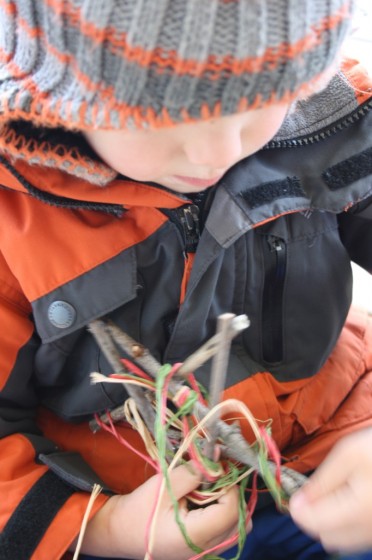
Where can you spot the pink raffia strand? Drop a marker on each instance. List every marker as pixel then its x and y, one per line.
pixel 110 428
pixel 132 368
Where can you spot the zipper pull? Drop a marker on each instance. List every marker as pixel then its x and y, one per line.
pixel 275 243
pixel 189 219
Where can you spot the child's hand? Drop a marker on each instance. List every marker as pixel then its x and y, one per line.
pixel 336 505
pixel 120 527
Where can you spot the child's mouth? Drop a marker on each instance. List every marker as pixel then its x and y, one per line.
pixel 196 182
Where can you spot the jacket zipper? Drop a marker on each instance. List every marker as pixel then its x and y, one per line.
pixel 187 221
pixel 325 132
pixel 275 260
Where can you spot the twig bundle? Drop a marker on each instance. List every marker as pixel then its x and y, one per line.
pixel 177 422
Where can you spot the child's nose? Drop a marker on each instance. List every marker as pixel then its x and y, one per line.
pixel 218 146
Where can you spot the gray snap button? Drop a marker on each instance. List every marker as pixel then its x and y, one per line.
pixel 61 314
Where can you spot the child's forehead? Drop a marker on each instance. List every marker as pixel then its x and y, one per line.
pixel 88 63
pixel 194 126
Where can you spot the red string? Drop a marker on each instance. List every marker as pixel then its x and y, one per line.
pixel 112 430
pixel 193 452
pixel 195 387
pixel 132 368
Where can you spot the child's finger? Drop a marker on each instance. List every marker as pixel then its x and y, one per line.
pixel 330 475
pixel 184 479
pixel 328 513
pixel 222 515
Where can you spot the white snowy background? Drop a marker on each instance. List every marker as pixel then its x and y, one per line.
pixel 359 45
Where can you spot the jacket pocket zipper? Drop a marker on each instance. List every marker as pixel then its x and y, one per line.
pixel 275 259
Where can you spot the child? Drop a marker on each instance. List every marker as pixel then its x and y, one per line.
pixel 162 163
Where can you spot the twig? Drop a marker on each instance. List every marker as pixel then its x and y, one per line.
pixel 135 351
pixel 100 331
pixel 209 349
pixel 236 447
pixel 218 378
pixel 106 332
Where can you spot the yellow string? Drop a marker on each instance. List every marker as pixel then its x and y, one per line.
pixel 95 492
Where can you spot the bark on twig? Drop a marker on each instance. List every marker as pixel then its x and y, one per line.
pixel 101 333
pixel 218 379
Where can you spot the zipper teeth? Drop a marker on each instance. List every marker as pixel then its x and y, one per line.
pixel 325 133
pixel 272 304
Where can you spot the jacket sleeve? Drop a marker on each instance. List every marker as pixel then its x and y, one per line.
pixel 356 233
pixel 40 511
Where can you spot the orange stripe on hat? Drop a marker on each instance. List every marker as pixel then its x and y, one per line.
pixel 8 7
pixel 119 46
pixel 359 79
pixel 166 78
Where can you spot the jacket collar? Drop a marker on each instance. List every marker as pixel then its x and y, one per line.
pixel 348 90
pixel 308 122
pixel 56 187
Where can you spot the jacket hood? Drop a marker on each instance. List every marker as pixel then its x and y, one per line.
pixel 348 90
pixel 59 189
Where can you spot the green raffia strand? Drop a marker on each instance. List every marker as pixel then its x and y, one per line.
pixel 230 477
pixel 211 466
pixel 185 409
pixel 160 439
pixel 203 391
pixel 268 477
pixel 242 515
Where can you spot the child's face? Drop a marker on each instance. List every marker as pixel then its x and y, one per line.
pixel 188 158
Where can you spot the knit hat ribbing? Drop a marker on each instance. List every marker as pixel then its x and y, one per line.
pixel 85 64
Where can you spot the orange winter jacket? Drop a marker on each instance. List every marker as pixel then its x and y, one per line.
pixel 274 239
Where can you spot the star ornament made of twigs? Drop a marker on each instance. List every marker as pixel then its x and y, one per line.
pixel 180 421
pixel 192 427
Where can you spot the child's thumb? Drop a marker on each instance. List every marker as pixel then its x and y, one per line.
pixel 184 479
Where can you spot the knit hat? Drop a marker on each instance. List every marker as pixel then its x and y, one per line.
pixel 84 64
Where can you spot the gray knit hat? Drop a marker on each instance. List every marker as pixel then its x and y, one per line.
pixel 85 64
